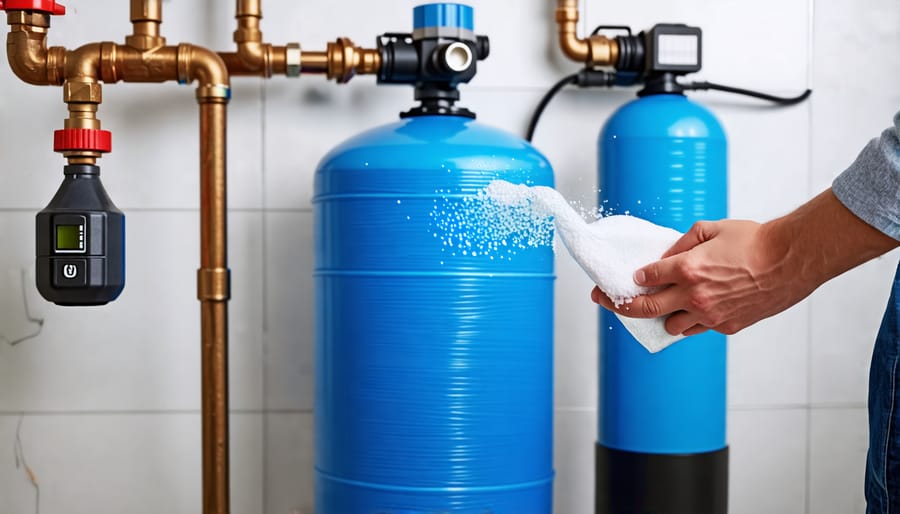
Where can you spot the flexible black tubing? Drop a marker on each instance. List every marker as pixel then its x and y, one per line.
pixel 780 100
pixel 532 125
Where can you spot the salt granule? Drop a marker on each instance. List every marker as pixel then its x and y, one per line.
pixel 609 250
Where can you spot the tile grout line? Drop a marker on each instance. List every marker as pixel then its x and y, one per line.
pixel 186 210
pixel 150 412
pixel 265 302
pixel 147 412
pixel 810 73
pixel 751 408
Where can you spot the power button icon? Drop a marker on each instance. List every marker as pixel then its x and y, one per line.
pixel 69 272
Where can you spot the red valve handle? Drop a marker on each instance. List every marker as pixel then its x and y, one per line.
pixel 92 140
pixel 45 6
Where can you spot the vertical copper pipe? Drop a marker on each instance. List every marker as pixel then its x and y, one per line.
pixel 213 292
pixel 146 17
pixel 248 8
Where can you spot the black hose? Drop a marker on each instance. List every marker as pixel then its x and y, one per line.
pixel 532 125
pixel 780 100
pixel 597 78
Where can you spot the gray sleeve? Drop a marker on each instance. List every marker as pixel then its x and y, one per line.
pixel 870 187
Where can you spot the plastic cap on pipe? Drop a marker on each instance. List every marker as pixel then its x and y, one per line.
pixel 92 140
pixel 456 16
pixel 457 57
pixel 45 6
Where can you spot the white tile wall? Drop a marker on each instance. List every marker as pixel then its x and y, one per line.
pixel 111 394
pixel 768 461
pixel 838 444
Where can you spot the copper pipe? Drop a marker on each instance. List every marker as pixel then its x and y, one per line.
pixel 314 62
pixel 26 49
pixel 341 61
pixel 146 17
pixel 595 50
pixel 213 290
pixel 82 116
pixel 252 56
pixel 144 59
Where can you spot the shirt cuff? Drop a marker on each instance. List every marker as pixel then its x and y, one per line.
pixel 870 187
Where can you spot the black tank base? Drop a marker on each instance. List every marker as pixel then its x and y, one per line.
pixel 651 483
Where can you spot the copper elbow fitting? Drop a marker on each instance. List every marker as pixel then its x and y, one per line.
pixel 593 50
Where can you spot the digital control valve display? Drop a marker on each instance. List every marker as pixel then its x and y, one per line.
pixel 81 242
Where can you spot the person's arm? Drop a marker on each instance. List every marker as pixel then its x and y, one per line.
pixel 727 275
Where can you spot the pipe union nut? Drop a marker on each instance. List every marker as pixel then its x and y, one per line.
pixel 82 92
pixel 293 59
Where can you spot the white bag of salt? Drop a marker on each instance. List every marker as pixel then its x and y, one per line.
pixel 609 250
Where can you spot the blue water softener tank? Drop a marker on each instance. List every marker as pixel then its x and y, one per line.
pixel 433 364
pixel 661 444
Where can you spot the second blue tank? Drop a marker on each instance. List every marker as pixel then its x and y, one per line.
pixel 662 158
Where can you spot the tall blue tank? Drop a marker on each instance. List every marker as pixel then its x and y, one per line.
pixel 433 370
pixel 661 442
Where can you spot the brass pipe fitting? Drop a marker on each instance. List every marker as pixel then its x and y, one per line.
pixel 82 115
pixel 27 52
pixel 253 57
pixel 342 61
pixel 595 50
pixel 146 17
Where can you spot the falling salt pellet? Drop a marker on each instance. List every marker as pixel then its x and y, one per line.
pixel 609 250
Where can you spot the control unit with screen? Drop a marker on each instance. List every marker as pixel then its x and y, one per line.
pixel 81 242
pixel 673 48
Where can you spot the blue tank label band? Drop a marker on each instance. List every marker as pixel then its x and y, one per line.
pixel 440 490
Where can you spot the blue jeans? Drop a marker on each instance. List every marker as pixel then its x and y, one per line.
pixel 883 462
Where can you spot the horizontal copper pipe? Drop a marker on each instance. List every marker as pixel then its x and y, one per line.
pixel 314 62
pixel 341 61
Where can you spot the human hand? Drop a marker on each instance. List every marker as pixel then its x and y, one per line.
pixel 727 275
pixel 723 275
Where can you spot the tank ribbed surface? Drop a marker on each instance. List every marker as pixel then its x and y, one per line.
pixel 433 368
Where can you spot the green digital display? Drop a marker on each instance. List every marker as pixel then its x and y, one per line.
pixel 69 237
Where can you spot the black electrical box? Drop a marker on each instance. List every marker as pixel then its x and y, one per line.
pixel 80 242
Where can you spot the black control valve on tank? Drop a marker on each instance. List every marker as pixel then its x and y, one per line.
pixel 656 59
pixel 440 54
pixel 656 56
pixel 80 236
